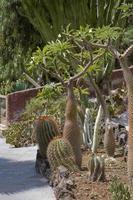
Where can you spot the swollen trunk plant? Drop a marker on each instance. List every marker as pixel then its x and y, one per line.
pixel 71 130
pixel 128 76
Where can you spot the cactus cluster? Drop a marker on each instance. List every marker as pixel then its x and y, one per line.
pixel 60 152
pixel 96 168
pixel 45 130
pixel 118 190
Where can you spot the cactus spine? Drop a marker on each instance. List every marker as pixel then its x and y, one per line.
pixel 60 152
pixel 45 130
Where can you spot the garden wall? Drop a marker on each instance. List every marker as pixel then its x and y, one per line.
pixel 17 101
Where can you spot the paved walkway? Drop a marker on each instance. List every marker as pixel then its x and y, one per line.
pixel 18 180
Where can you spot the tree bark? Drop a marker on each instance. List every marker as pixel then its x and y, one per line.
pixel 128 76
pixel 71 130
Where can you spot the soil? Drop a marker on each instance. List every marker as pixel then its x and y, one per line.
pixel 100 190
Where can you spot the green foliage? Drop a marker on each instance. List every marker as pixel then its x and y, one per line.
pixel 70 53
pixel 128 36
pixel 17 39
pixel 52 57
pixel 53 100
pixel 18 134
pixel 34 108
pixel 107 33
pixel 118 190
pixel 7 87
pixel 44 103
pixel 60 152
pixel 27 24
pixel 127 9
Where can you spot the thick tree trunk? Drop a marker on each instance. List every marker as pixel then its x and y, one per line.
pixel 71 130
pixel 129 82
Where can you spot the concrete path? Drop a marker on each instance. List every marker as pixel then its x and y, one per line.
pixel 18 180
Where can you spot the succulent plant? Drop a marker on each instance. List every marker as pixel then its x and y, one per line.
pixel 96 168
pixel 109 141
pixel 60 152
pixel 18 134
pixel 118 190
pixel 71 130
pixel 45 130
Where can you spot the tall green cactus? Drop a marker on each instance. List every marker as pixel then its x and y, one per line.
pixel 60 152
pixel 45 130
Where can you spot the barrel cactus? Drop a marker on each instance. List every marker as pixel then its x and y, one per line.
pixel 45 130
pixel 60 152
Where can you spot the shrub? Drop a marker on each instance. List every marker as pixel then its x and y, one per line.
pixel 18 134
pixel 118 190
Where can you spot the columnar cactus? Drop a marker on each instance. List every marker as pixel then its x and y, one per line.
pixel 96 168
pixel 60 152
pixel 109 141
pixel 96 130
pixel 88 129
pixel 45 130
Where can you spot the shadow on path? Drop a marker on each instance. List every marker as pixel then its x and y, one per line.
pixel 17 176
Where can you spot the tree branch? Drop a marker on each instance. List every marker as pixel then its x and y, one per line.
pixel 97 45
pixel 127 52
pixel 31 80
pixel 99 95
pixel 54 75
pixel 107 47
pixel 85 68
pixel 115 52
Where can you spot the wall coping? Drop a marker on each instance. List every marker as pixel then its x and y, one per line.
pixel 3 96
pixel 27 90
